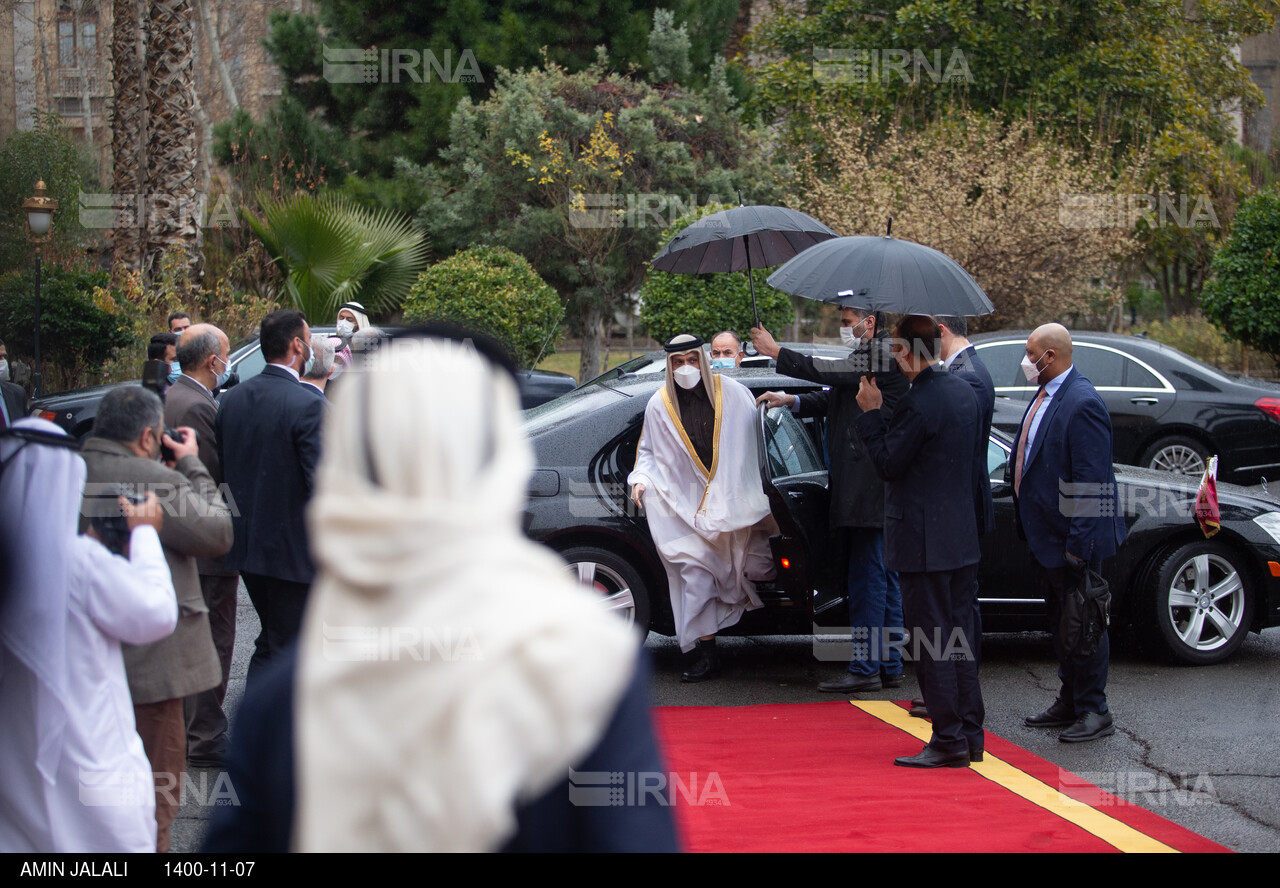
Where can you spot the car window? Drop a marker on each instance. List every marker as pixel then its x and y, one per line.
pixel 997 458
pixel 1137 376
pixel 251 364
pixel 1100 366
pixel 788 446
pixel 1004 363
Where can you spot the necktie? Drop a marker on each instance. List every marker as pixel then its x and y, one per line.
pixel 1022 440
pixel 4 414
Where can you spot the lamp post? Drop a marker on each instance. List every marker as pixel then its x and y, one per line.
pixel 39 210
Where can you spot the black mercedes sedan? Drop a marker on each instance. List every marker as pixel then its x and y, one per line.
pixel 1190 599
pixel 75 410
pixel 1169 411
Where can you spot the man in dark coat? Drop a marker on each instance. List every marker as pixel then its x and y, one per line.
pixel 1066 501
pixel 925 456
pixel 268 433
pixel 204 354
pixel 857 493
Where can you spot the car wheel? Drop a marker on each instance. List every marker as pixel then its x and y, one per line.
pixel 612 578
pixel 1183 455
pixel 1200 601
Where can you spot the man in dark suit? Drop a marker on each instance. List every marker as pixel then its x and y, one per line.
pixel 960 358
pixel 268 433
pixel 204 354
pixel 1067 505
pixel 857 493
pixel 925 456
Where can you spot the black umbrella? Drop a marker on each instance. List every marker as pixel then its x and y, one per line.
pixel 883 274
pixel 741 239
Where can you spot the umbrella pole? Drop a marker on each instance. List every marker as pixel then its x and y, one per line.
pixel 751 280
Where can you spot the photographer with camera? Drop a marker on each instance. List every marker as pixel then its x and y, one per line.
pixel 128 447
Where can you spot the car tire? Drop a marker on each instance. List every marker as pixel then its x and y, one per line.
pixel 1177 453
pixel 1198 603
pixel 614 579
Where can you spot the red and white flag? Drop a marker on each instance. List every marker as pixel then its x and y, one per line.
pixel 1207 514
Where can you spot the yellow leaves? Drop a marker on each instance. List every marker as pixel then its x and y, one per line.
pixel 559 161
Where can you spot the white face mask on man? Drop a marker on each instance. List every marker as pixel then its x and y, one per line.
pixel 4 370
pixel 688 376
pixel 1029 368
pixel 851 336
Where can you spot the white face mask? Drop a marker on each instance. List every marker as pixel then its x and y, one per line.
pixel 4 370
pixel 345 329
pixel 1029 369
pixel 850 335
pixel 687 377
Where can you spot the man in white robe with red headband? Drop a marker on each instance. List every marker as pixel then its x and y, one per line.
pixel 697 477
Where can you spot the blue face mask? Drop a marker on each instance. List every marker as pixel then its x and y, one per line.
pixel 223 377
pixel 175 370
pixel 723 363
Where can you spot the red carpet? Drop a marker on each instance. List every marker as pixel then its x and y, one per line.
pixel 820 777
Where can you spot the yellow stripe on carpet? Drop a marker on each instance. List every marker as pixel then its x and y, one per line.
pixel 1121 835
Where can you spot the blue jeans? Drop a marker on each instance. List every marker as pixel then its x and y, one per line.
pixel 875 606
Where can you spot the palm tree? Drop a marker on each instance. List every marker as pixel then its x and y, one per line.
pixel 331 251
pixel 173 222
pixel 128 117
pixel 153 137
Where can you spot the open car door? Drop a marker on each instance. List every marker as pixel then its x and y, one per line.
pixel 795 481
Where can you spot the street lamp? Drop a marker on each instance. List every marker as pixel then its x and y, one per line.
pixel 39 210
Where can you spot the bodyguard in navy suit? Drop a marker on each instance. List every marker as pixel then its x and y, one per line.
pixel 1068 511
pixel 268 432
pixel 926 458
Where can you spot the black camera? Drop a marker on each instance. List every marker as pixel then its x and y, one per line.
pixel 166 452
pixel 113 529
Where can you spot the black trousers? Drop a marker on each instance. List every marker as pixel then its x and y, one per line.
pixel 940 615
pixel 279 604
pixel 206 721
pixel 1084 681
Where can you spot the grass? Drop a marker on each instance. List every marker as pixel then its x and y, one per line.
pixel 567 361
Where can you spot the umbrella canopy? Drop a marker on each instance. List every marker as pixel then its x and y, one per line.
pixel 883 274
pixel 740 239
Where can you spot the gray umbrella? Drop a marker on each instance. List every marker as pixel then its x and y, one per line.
pixel 741 239
pixel 883 274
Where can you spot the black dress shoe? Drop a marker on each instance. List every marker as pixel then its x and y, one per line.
pixel 706 665
pixel 891 681
pixel 1059 715
pixel 975 755
pixel 930 758
pixel 918 712
pixel 851 684
pixel 1089 726
pixel 917 702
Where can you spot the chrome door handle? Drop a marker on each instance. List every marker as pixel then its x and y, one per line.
pixel 1144 400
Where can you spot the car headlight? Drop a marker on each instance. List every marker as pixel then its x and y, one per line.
pixel 1270 522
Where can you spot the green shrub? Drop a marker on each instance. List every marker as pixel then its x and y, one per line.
pixel 494 290
pixel 82 324
pixel 705 304
pixel 1197 337
pixel 1243 297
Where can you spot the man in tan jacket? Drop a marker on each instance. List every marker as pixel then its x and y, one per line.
pixel 125 450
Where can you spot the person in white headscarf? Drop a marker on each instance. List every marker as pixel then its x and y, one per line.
pixel 450 672
pixel 73 773
pixel 697 477
pixel 352 318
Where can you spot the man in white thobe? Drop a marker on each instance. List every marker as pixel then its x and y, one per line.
pixel 697 477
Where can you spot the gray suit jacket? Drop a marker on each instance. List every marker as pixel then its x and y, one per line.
pixel 188 403
pixel 197 524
